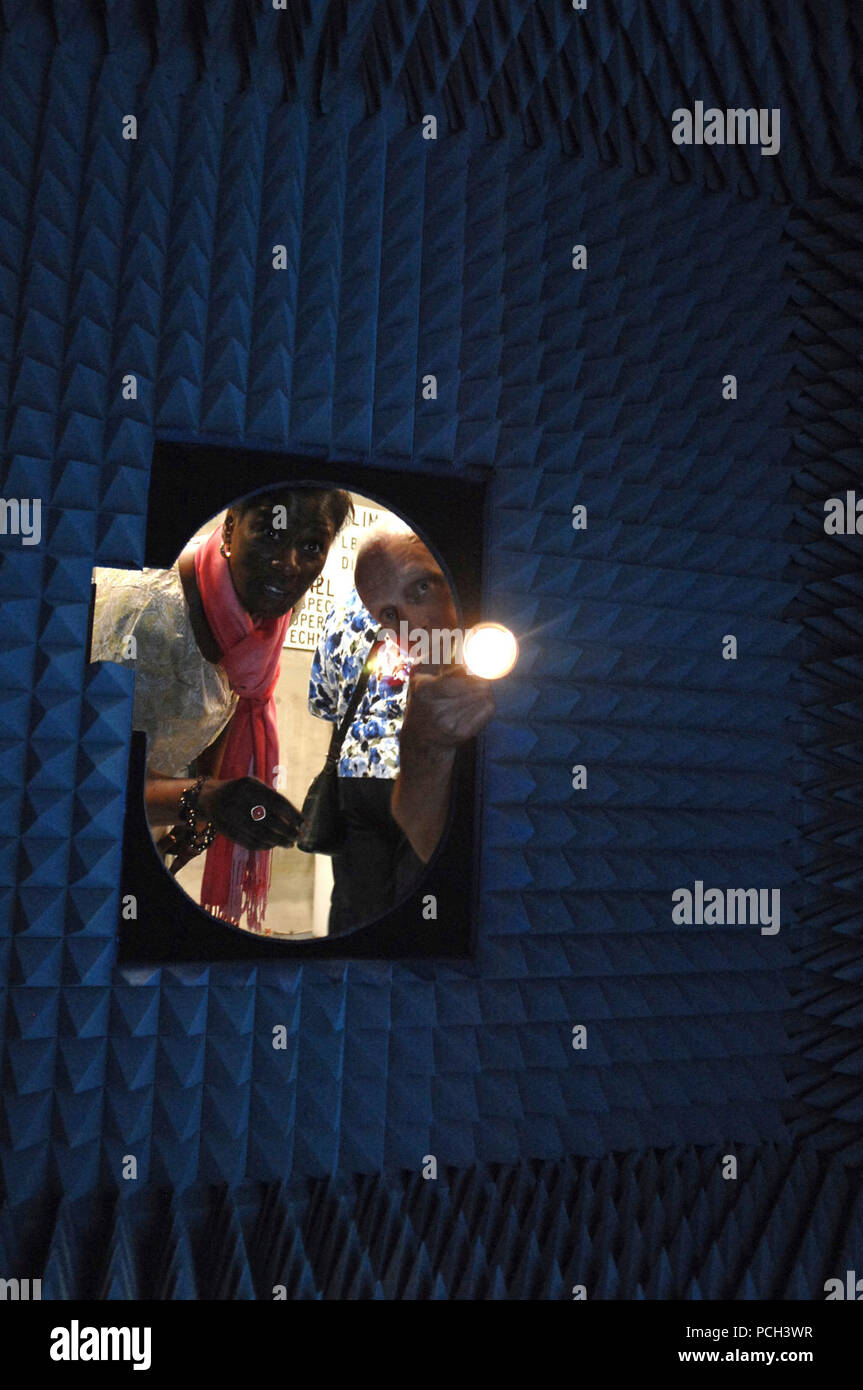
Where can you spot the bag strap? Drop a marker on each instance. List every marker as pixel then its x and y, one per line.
pixel 340 731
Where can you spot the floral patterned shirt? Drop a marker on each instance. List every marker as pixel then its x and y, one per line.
pixel 371 745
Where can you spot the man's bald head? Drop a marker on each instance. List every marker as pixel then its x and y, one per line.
pixel 385 554
pixel 399 580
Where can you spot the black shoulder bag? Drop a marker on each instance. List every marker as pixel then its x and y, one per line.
pixel 325 833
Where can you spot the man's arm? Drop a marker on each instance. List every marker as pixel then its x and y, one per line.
pixel 442 713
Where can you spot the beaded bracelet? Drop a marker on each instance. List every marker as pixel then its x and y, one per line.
pixel 196 840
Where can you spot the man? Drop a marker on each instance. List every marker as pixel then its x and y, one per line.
pixel 395 809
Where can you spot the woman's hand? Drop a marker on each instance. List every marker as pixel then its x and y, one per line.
pixel 229 806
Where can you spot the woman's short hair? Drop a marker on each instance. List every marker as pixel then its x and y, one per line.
pixel 338 505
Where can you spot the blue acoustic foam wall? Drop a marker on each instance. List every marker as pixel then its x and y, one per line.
pixel 405 256
pixel 641 1225
pixel 826 455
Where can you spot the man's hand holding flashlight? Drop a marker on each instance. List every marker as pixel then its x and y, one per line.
pixel 445 710
pixel 442 712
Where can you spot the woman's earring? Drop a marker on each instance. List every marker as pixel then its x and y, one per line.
pixel 223 551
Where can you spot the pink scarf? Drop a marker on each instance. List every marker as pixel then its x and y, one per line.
pixel 237 880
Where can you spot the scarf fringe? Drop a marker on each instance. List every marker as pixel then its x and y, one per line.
pixel 248 889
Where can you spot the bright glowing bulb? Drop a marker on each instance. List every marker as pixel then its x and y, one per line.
pixel 490 651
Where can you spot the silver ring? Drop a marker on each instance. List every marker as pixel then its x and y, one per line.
pixel 258 812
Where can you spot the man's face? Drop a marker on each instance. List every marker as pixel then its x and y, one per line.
pixel 272 565
pixel 407 586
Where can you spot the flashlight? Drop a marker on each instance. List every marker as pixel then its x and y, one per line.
pixel 490 651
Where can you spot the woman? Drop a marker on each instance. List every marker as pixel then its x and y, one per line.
pixel 206 637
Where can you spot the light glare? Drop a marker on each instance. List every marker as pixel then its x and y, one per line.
pixel 490 651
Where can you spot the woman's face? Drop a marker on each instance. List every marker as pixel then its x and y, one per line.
pixel 276 550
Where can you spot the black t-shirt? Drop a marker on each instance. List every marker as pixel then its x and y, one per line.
pixel 377 868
